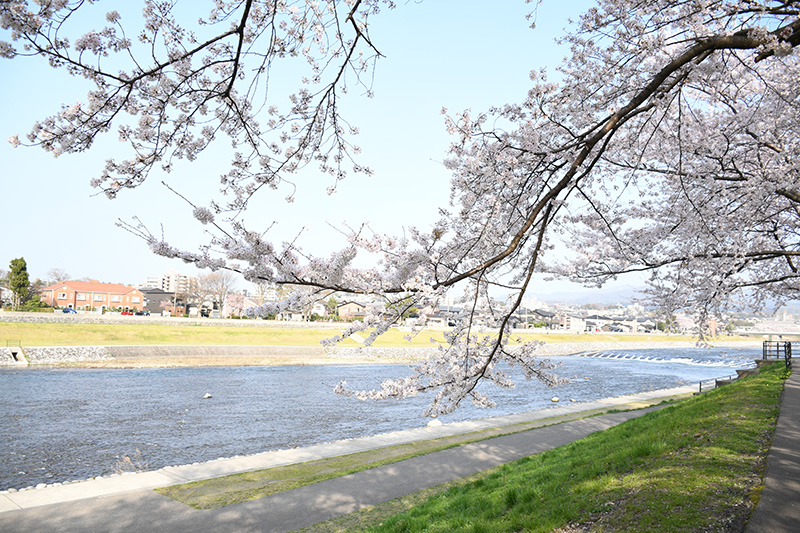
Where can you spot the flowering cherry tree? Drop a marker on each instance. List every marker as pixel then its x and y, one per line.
pixel 666 146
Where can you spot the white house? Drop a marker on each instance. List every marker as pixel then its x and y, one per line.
pixel 571 323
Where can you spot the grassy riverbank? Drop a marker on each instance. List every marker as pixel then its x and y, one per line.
pixel 238 488
pixel 694 466
pixel 84 334
pixel 142 334
pixel 278 339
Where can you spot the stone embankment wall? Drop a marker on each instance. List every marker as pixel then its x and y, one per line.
pixel 41 355
pixel 52 355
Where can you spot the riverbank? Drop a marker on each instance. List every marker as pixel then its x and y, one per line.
pixel 147 356
pixel 108 341
pixel 692 466
pixel 466 431
pixel 79 422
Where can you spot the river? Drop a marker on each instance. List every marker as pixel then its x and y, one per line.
pixel 61 424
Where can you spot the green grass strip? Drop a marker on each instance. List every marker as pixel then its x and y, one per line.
pixel 693 466
pixel 250 333
pixel 236 488
pixel 220 492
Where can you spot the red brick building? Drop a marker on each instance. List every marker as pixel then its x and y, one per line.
pixel 87 295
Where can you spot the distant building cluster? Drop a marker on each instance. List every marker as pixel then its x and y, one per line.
pixel 215 295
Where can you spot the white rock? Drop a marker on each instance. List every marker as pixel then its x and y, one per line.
pixel 434 423
pixel 554 399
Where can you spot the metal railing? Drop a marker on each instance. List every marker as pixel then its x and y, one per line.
pixel 771 350
pixel 711 384
pixel 778 350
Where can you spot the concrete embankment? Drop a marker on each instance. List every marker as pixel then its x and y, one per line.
pixel 12 356
pixel 52 355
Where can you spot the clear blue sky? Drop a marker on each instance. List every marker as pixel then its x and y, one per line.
pixel 454 54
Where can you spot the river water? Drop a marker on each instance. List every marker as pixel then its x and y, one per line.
pixel 60 425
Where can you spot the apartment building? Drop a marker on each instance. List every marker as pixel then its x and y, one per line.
pixel 87 295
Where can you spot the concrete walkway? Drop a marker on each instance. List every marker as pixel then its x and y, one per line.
pixel 127 503
pixel 778 510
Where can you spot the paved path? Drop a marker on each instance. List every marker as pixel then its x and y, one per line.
pixel 778 510
pixel 127 503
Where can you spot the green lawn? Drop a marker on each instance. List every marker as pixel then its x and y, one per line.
pixel 57 334
pixel 694 466
pixel 79 334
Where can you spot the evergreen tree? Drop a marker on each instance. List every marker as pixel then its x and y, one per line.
pixel 18 281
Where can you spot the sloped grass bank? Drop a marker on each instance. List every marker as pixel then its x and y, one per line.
pixel 213 333
pixel 237 488
pixel 85 334
pixel 694 466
